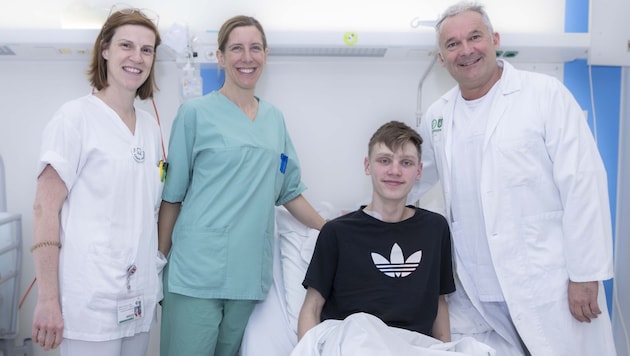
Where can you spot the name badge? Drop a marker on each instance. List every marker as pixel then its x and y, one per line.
pixel 130 309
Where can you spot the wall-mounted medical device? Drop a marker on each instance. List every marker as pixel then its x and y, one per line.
pixel 610 33
pixel 288 45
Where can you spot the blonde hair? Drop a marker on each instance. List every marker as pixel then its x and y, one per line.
pixel 238 21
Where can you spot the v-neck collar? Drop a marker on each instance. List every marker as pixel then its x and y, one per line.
pixel 116 118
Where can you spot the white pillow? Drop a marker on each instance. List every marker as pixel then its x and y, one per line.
pixel 297 242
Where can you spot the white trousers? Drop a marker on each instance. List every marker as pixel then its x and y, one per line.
pixel 136 345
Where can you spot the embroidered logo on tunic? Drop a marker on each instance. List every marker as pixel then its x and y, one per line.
pixel 397 266
pixel 436 124
pixel 138 154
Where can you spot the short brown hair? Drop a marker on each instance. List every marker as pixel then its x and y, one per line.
pixel 97 71
pixel 234 22
pixel 394 135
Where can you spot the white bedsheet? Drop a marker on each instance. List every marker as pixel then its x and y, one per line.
pixel 366 335
pixel 268 331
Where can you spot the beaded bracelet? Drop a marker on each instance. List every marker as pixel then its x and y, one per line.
pixel 45 243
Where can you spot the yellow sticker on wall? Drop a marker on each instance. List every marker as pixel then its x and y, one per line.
pixel 350 38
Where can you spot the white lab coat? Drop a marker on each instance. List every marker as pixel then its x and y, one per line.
pixel 544 197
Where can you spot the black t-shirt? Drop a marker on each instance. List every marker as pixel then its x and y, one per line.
pixel 394 271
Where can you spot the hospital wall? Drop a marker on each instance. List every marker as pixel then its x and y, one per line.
pixel 331 108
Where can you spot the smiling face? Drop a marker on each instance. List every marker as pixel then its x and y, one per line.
pixel 243 58
pixel 468 51
pixel 129 57
pixel 393 172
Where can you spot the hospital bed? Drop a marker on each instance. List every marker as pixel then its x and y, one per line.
pixel 10 268
pixel 10 273
pixel 272 327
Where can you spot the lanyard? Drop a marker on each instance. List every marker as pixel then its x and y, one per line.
pixel 163 165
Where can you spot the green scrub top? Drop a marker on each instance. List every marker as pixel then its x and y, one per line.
pixel 229 172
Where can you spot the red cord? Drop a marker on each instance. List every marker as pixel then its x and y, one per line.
pixel 157 116
pixel 26 294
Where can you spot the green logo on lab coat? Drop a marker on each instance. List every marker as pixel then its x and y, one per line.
pixel 436 124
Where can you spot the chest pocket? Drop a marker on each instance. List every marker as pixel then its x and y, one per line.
pixel 522 161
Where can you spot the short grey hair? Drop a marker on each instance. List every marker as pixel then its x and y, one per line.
pixel 464 6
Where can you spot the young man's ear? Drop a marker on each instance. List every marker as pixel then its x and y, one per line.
pixel 366 165
pixel 419 171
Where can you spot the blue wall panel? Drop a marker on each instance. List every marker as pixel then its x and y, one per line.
pixel 606 89
pixel 212 76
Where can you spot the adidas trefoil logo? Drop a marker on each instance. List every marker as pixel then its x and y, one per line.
pixel 396 266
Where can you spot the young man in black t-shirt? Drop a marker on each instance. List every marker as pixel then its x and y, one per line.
pixel 387 259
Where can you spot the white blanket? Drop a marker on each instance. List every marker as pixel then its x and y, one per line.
pixel 365 335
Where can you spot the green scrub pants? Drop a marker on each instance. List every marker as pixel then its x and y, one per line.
pixel 202 327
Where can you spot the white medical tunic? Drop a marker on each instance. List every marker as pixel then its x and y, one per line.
pixel 109 219
pixel 469 122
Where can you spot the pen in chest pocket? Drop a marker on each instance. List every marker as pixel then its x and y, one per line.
pixel 283 163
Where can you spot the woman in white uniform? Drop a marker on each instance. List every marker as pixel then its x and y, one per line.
pixel 98 193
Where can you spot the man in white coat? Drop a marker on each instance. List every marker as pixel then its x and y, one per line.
pixel 526 195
